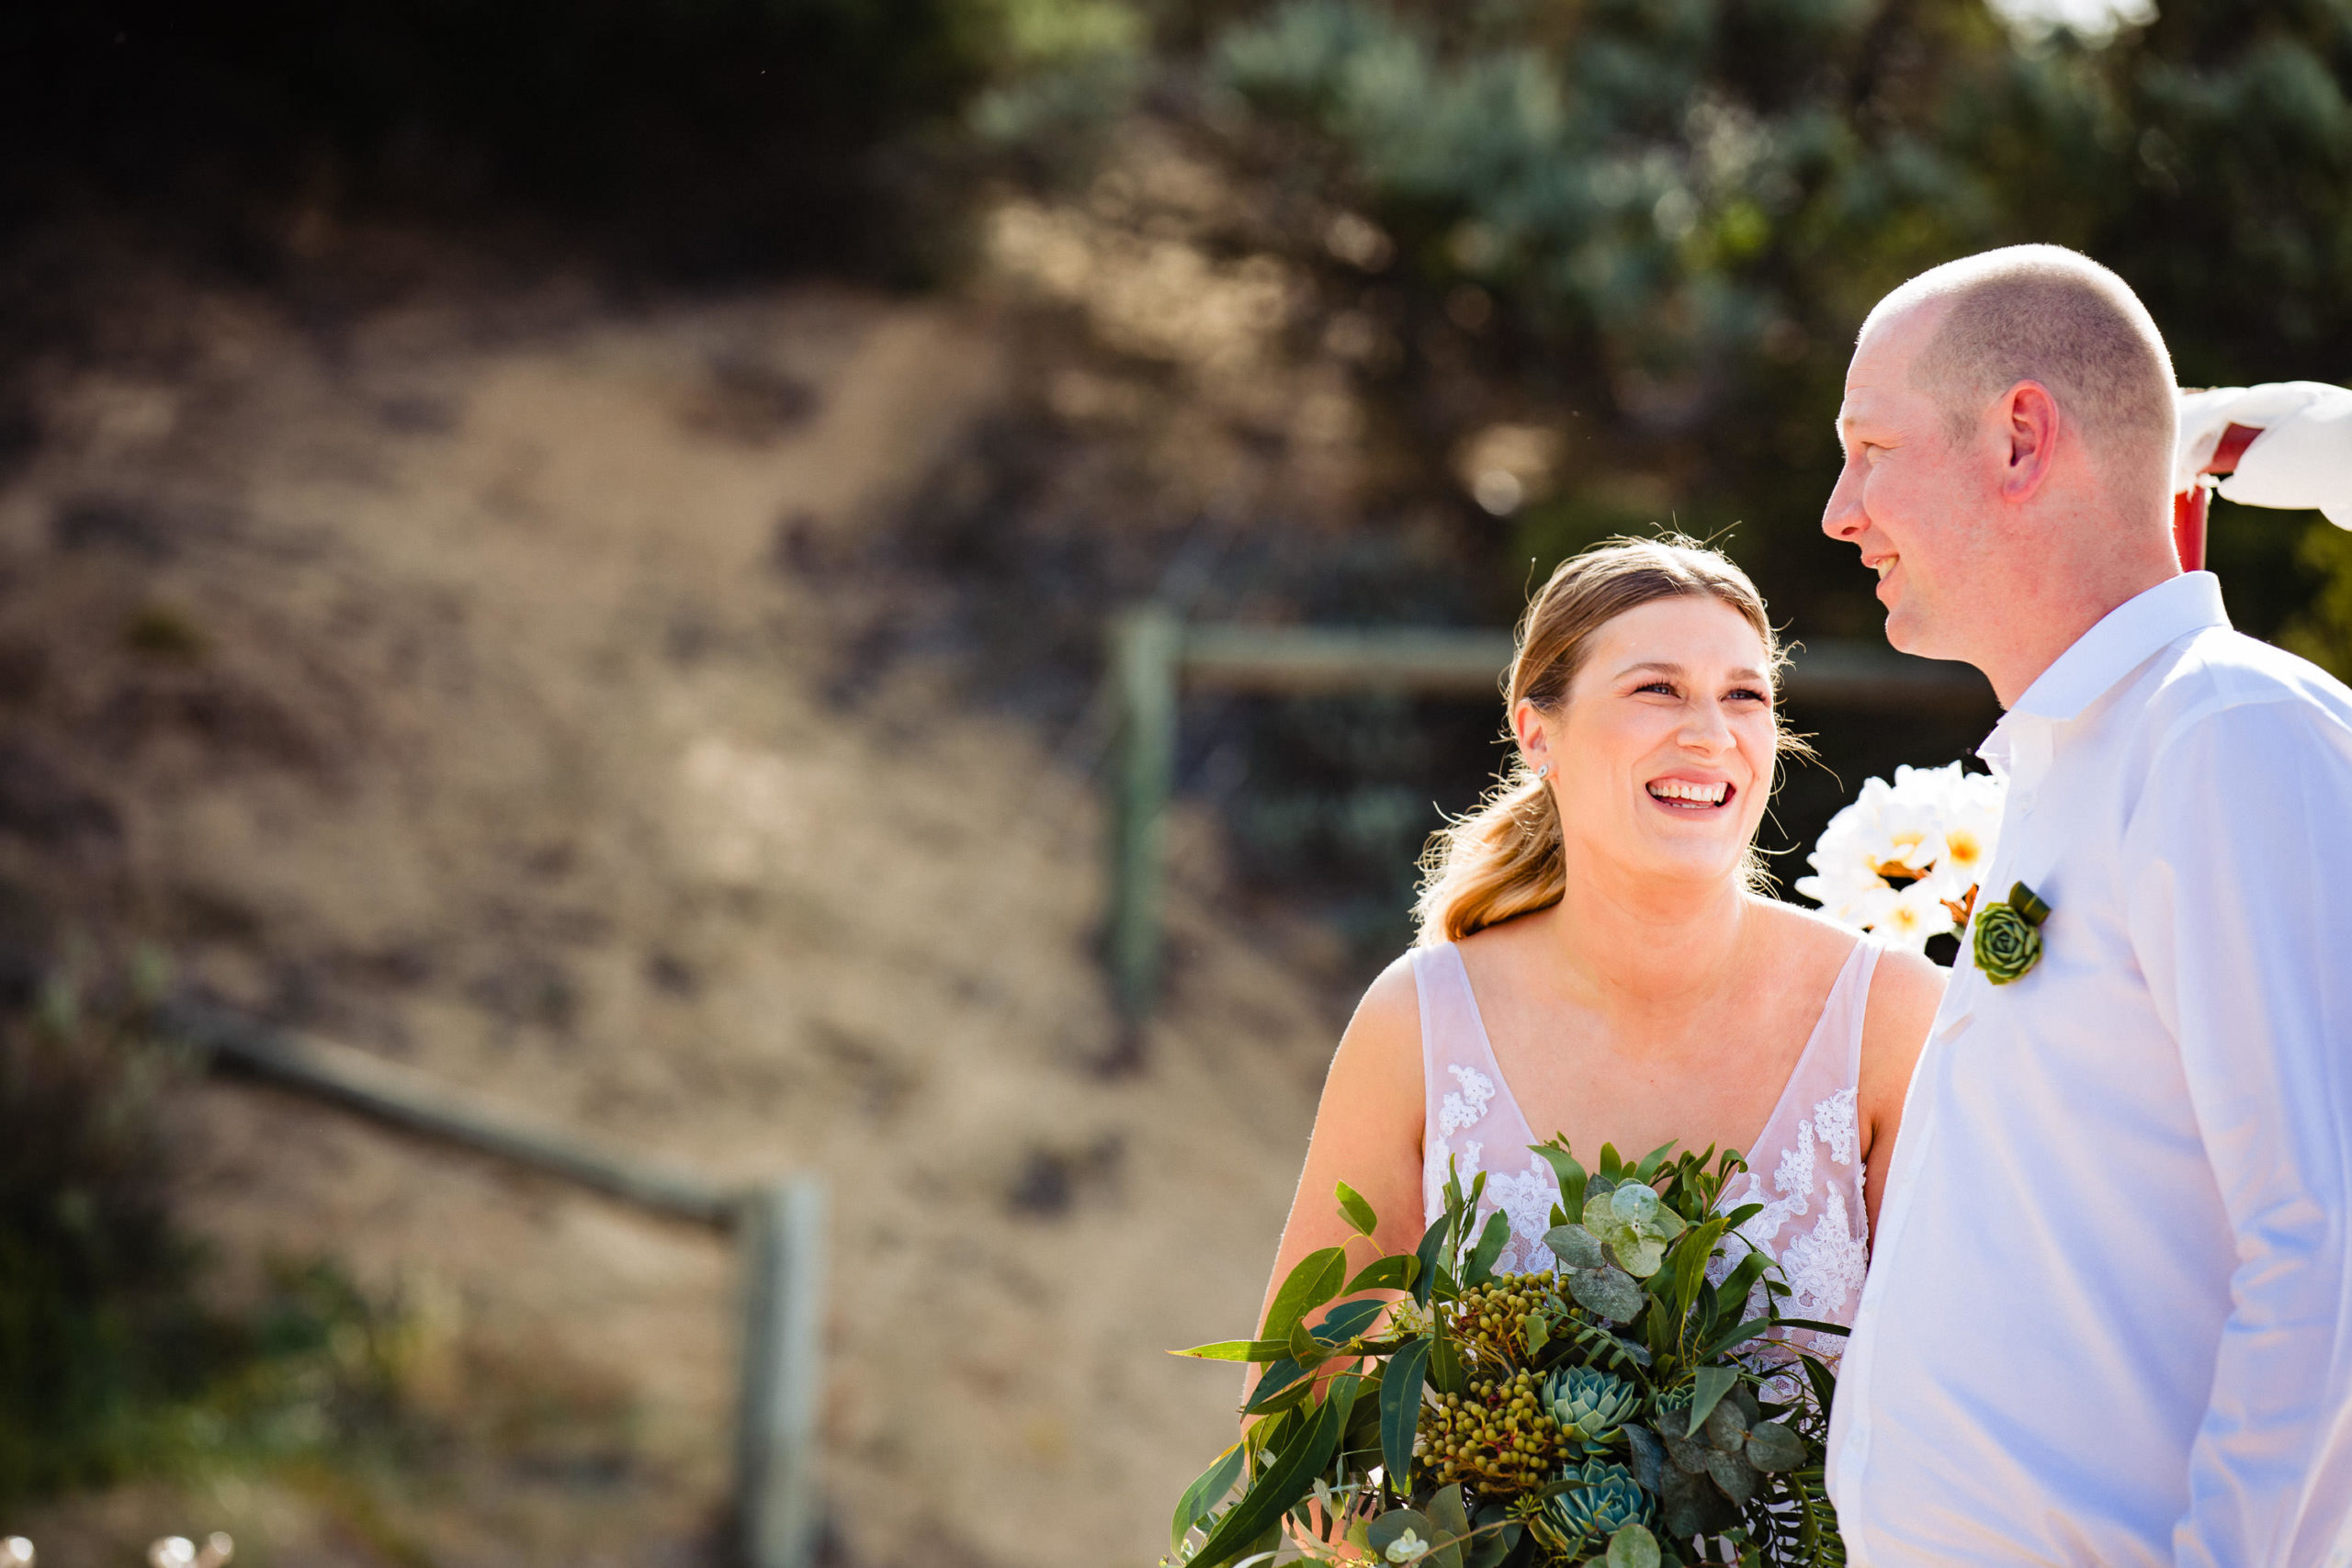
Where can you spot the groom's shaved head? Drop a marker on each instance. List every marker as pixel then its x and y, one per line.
pixel 2042 313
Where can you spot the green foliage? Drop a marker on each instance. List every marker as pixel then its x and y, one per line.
pixel 111 1365
pixel 1515 1420
pixel 1667 220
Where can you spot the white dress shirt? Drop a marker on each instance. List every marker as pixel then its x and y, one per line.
pixel 2109 1320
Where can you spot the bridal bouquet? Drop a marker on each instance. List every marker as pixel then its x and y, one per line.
pixel 1904 859
pixel 1623 1410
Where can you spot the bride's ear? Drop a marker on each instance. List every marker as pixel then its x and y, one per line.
pixel 1534 743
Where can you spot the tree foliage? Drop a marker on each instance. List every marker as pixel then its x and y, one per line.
pixel 1665 221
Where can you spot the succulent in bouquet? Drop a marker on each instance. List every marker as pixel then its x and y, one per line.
pixel 1630 1407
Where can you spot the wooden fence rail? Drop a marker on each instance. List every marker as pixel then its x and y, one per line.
pixel 1154 656
pixel 778 1229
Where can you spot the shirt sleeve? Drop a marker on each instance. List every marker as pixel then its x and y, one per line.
pixel 2241 916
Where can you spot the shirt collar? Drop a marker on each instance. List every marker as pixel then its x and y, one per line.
pixel 2124 639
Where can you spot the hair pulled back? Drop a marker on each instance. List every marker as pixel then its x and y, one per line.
pixel 1505 858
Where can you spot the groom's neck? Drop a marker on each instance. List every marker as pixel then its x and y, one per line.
pixel 2051 610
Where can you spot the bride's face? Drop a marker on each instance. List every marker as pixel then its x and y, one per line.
pixel 1662 754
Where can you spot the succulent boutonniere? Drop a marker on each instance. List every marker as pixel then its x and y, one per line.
pixel 2008 937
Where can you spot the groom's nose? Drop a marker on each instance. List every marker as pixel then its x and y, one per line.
pixel 1843 517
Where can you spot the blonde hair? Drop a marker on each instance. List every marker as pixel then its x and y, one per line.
pixel 1505 857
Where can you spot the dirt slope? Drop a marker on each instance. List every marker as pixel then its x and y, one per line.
pixel 446 680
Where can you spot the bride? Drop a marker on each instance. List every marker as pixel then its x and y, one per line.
pixel 1595 957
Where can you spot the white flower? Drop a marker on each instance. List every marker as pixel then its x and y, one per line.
pixel 1890 861
pixel 1911 915
pixel 1406 1547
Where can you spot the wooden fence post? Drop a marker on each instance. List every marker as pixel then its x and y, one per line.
pixel 1147 645
pixel 782 1249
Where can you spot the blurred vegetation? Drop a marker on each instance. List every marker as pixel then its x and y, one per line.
pixel 1654 226
pixel 111 1362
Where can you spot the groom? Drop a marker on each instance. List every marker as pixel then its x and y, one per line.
pixel 2108 1318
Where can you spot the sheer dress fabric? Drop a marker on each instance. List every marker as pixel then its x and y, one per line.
pixel 1806 1170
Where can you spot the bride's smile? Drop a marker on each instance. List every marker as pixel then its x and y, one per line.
pixel 1662 752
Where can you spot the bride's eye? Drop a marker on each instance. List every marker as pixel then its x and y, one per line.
pixel 1749 694
pixel 1665 687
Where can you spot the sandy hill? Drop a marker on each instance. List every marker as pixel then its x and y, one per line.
pixel 452 680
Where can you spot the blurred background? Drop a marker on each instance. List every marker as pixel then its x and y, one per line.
pixel 567 546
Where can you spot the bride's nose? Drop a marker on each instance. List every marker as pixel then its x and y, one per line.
pixel 1706 728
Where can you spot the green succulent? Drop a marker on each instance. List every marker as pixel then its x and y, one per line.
pixel 2006 942
pixel 1588 1404
pixel 1609 1499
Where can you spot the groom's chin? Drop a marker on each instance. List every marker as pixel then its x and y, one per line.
pixel 1907 631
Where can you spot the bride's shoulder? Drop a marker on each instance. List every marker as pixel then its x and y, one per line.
pixel 1795 934
pixel 1390 1009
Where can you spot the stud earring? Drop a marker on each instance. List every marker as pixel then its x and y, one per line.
pixel 1543 773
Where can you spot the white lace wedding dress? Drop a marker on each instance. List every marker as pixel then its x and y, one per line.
pixel 1806 1170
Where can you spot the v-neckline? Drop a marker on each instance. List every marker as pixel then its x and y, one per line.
pixel 1779 1105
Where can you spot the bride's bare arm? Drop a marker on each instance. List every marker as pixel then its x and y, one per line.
pixel 1367 1134
pixel 1904 992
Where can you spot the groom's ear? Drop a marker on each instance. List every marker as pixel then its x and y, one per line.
pixel 2031 423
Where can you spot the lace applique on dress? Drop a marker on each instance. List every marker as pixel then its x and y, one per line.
pixel 1824 1265
pixel 1812 1222
pixel 1467 1104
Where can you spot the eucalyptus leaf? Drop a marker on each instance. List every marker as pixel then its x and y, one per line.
pixel 1650 1162
pixel 1709 1387
pixel 1347 1320
pixel 1452 1521
pixel 1201 1498
pixel 1689 1457
pixel 1726 1427
pixel 1607 1293
pixel 1648 1455
pixel 1575 1246
pixel 1280 1485
pixel 1690 1504
pixel 1395 1272
pixel 1732 1472
pixel 1492 1549
pixel 1772 1446
pixel 1641 1258
pixel 1446 1372
pixel 1733 1337
pixel 1314 1279
pixel 1633 1547
pixel 1284 1377
pixel 1359 1212
pixel 1400 1410
pixel 1239 1350
pixel 1491 1242
pixel 1426 1257
pixel 1394 1526
pixel 1634 1204
pixel 1572 1175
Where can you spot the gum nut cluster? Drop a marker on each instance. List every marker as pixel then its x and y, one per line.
pixel 1496 1435
pixel 1495 1314
pixel 1589 1404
